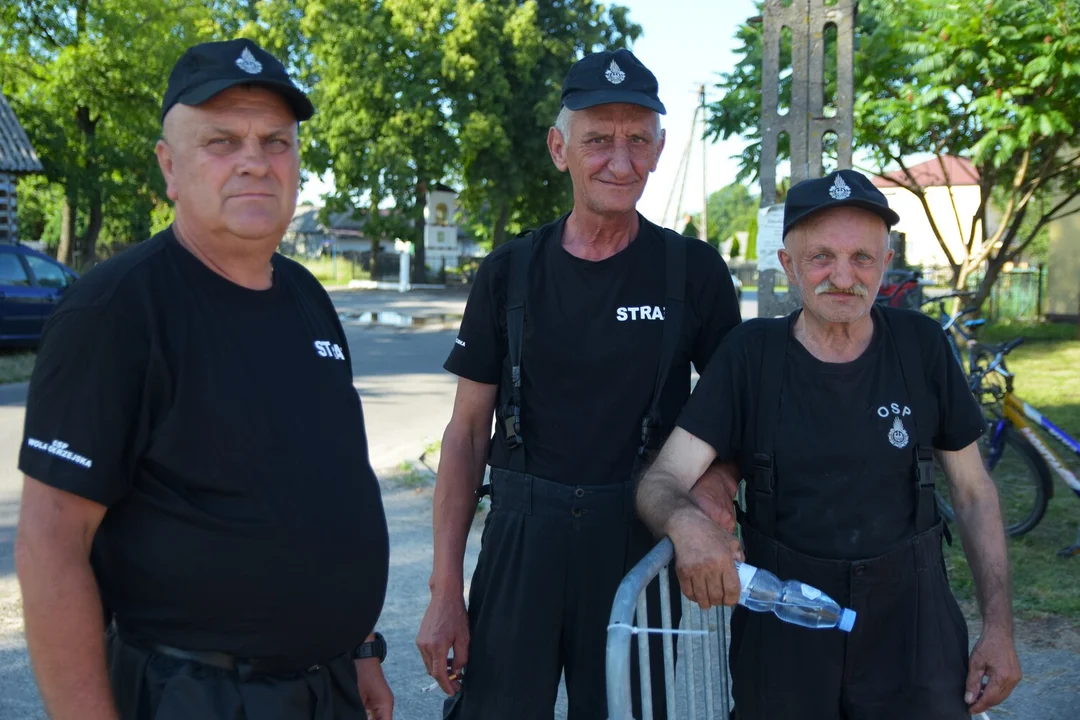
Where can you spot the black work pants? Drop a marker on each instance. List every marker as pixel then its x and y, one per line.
pixel 551 559
pixel 151 686
pixel 906 658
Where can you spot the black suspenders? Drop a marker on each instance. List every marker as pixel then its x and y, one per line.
pixel 521 250
pixel 902 331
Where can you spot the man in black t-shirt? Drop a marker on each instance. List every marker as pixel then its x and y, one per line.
pixel 574 336
pixel 833 415
pixel 195 456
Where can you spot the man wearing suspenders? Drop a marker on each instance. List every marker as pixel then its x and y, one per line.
pixel 834 415
pixel 578 339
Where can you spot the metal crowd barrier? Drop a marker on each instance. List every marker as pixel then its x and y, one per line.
pixel 698 686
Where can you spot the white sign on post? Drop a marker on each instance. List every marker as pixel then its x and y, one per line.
pixel 770 237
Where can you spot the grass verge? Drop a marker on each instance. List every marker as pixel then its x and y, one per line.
pixel 328 272
pixel 1043 584
pixel 16 366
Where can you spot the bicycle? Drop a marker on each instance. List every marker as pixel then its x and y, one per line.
pixel 1023 476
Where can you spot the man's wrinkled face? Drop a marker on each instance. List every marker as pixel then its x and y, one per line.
pixel 610 151
pixel 836 258
pixel 232 164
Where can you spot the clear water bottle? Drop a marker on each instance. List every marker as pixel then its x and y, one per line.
pixel 791 601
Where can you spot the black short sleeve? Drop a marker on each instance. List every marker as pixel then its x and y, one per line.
pixel 960 420
pixel 84 404
pixel 715 302
pixel 480 346
pixel 717 411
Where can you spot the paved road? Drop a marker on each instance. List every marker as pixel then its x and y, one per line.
pixel 407 400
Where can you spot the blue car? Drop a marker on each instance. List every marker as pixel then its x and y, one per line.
pixel 31 284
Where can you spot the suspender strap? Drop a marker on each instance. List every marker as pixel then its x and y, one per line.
pixel 674 304
pixel 517 286
pixel 763 512
pixel 901 325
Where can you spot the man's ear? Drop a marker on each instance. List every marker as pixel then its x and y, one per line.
pixel 788 264
pixel 165 162
pixel 557 147
pixel 659 149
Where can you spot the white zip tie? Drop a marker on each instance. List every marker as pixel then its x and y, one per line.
pixel 634 630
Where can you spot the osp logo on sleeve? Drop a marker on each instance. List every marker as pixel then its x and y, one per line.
pixel 327 349
pixel 639 312
pixel 59 448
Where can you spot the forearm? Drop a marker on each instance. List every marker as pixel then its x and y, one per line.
pixel 461 470
pixel 661 498
pixel 979 519
pixel 65 635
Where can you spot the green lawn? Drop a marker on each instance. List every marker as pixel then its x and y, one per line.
pixel 1048 377
pixel 326 272
pixel 15 365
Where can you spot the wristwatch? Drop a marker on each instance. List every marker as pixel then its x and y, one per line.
pixel 371 649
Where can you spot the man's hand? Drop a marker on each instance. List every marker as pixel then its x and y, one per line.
pixel 714 493
pixel 705 556
pixel 445 626
pixel 374 692
pixel 995 657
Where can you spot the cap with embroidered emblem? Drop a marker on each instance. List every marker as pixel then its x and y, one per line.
pixel 840 188
pixel 207 69
pixel 610 77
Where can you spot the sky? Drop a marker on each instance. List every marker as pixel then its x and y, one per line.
pixel 685 43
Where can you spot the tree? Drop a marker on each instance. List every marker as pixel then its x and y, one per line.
pixel 731 210
pixel 381 123
pixel 86 80
pixel 996 81
pixel 504 63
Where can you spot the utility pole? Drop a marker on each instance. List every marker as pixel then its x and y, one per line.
pixel 703 231
pixel 805 122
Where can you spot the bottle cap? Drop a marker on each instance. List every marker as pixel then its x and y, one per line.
pixel 746 574
pixel 847 620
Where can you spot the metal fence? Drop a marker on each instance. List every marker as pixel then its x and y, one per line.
pixel 1016 295
pixel 697 687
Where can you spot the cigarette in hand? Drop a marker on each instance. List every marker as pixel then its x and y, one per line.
pixel 434 685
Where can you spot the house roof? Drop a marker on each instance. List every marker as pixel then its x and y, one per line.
pixel 959 171
pixel 16 153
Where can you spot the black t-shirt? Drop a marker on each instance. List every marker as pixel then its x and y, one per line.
pixel 221 428
pixel 844 438
pixel 591 348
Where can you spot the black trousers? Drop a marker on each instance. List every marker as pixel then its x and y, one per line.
pixel 906 658
pixel 551 559
pixel 151 686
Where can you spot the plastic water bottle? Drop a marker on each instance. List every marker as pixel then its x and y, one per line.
pixel 791 601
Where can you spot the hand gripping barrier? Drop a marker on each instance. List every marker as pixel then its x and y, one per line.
pixel 702 675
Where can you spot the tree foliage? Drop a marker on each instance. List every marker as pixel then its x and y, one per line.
pixel 732 209
pixel 995 81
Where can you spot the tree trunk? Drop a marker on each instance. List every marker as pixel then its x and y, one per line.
pixel 419 272
pixel 68 218
pixel 498 235
pixel 993 270
pixel 88 240
pixel 374 264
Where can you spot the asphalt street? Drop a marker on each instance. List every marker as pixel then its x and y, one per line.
pixel 397 363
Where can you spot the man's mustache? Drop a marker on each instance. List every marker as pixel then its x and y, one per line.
pixel 826 286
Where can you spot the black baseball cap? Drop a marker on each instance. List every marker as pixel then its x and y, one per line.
pixel 842 188
pixel 610 77
pixel 207 69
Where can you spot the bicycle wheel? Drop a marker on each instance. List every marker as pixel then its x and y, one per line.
pixel 1022 479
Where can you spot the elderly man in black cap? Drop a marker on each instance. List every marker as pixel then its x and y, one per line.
pixel 834 416
pixel 195 457
pixel 578 339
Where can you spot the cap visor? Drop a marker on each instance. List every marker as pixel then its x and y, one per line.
pixel 298 101
pixel 887 214
pixel 582 100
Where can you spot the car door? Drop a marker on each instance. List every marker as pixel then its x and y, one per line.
pixel 20 301
pixel 51 280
